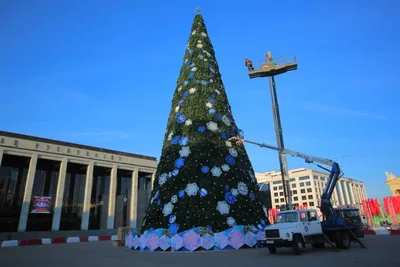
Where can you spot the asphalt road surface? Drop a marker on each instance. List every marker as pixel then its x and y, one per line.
pixel 382 251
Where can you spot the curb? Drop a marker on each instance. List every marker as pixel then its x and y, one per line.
pixel 369 232
pixel 56 240
pixel 394 232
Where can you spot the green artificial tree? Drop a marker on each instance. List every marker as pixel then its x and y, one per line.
pixel 202 179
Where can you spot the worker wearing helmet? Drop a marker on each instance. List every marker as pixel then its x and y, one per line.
pixel 248 64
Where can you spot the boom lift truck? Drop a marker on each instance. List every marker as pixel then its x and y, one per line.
pixel 296 228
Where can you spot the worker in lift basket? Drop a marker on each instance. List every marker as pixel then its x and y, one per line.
pixel 248 64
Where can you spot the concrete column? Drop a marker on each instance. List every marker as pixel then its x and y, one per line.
pixel 153 177
pixel 339 188
pixel 111 201
pixel 134 199
pixel 346 191
pixel 23 219
pixel 88 196
pixel 336 196
pixel 59 195
pixel 1 155
pixel 352 193
pixel 364 193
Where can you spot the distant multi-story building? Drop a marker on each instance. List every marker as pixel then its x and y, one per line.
pixel 307 186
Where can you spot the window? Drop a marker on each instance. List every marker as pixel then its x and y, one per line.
pixel 311 204
pixel 308 183
pixel 293 185
pixel 276 182
pixel 280 187
pixel 275 188
pixel 303 191
pixel 304 178
pixel 276 200
pixel 295 198
pixel 277 206
pixel 312 216
pixel 303 198
pixel 282 200
pixel 322 178
pixel 294 192
pixel 310 196
pixel 281 193
pixel 292 179
pixel 315 177
pixel 301 184
pixel 275 194
pixel 303 216
pixel 305 204
pixel 309 190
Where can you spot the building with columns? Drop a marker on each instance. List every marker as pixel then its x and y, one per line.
pixel 86 187
pixel 307 186
pixel 393 182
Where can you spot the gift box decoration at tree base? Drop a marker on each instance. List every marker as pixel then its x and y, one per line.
pixel 196 239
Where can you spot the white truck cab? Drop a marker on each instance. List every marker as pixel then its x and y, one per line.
pixel 294 228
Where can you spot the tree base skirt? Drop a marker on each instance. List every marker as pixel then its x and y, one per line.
pixel 193 240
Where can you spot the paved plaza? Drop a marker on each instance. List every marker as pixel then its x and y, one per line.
pixel 382 251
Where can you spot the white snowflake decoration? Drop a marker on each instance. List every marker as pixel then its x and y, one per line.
pixel 209 105
pixel 230 221
pixel 170 136
pixel 152 200
pixel 193 32
pixel 212 70
pixel 194 69
pixel 179 88
pixel 177 109
pixel 228 143
pixel 218 92
pixel 163 178
pixel 225 167
pixel 211 80
pixel 174 199
pixel 234 192
pixel 188 122
pixel 226 120
pixel 233 152
pixel 192 189
pixel 184 152
pixel 167 210
pixel 223 207
pixel 205 59
pixel 192 90
pixel 199 41
pixel 199 45
pixel 203 34
pixel 186 58
pixel 212 126
pixel 242 188
pixel 216 171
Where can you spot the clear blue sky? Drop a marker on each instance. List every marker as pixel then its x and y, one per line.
pixel 103 73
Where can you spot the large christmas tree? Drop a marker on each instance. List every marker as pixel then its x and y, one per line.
pixel 202 179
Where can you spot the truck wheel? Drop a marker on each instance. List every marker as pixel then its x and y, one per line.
pixel 343 240
pixel 297 244
pixel 272 250
pixel 318 245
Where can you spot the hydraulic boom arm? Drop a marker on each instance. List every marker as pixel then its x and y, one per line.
pixel 334 175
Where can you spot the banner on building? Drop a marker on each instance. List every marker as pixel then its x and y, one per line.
pixel 41 204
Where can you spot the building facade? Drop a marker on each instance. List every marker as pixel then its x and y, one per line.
pixel 307 186
pixel 48 185
pixel 393 182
